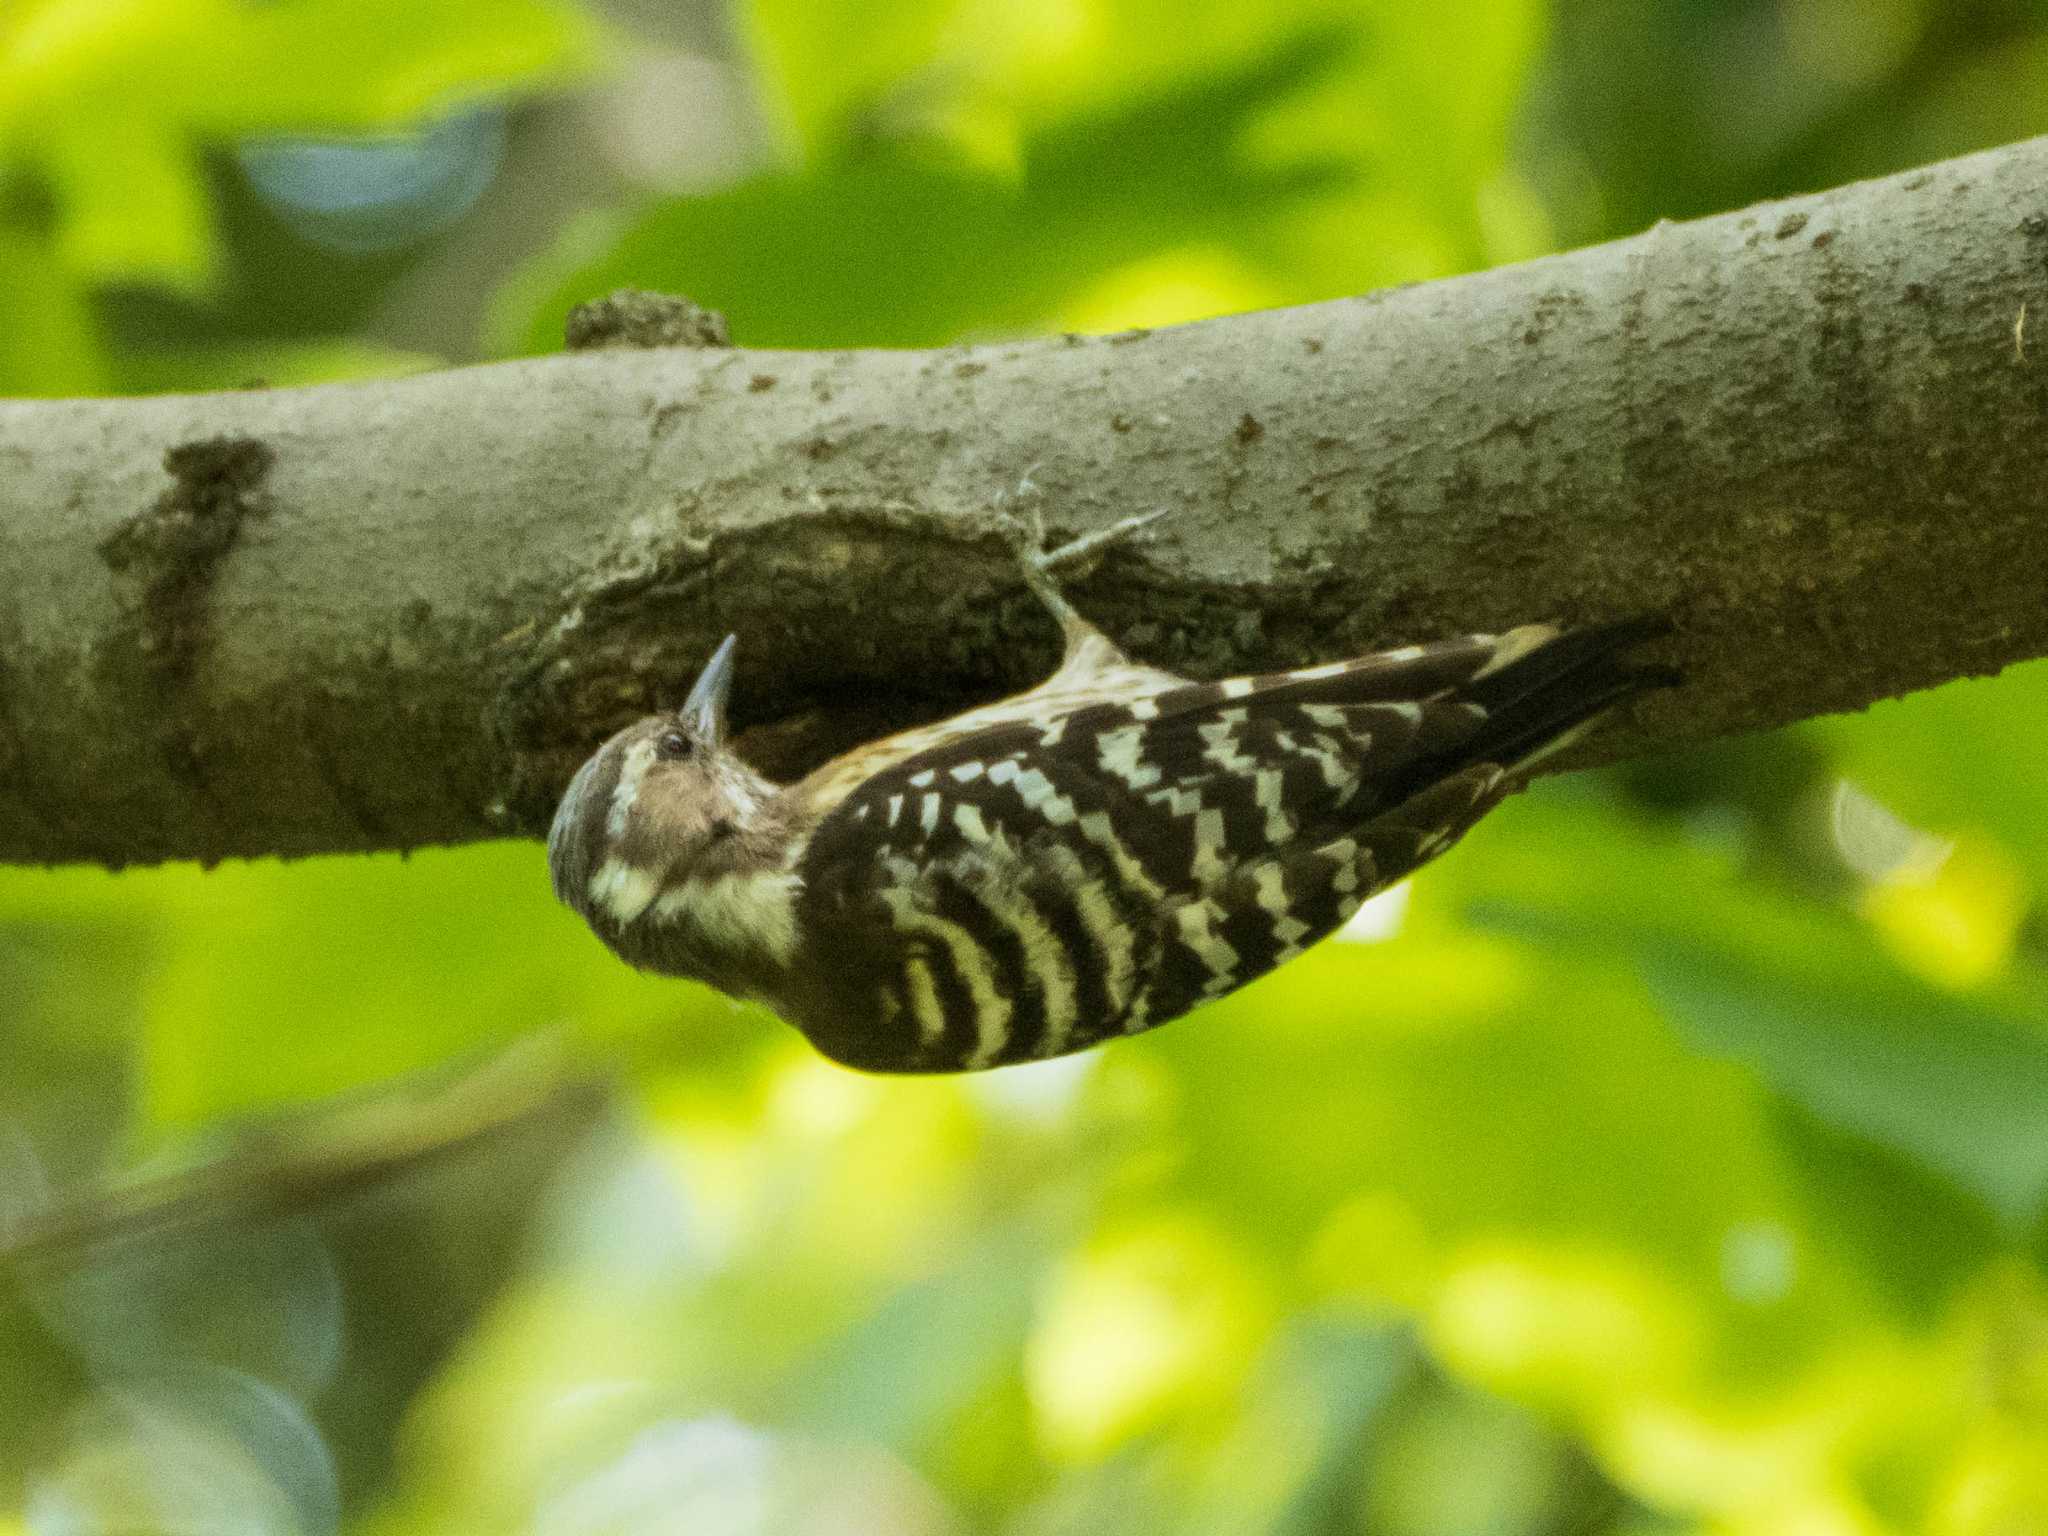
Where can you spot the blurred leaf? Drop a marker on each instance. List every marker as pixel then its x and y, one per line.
pixel 1158 1319
pixel 1291 1463
pixel 972 169
pixel 828 61
pixel 902 243
pixel 111 104
pixel 1490 1092
pixel 280 365
pixel 1966 755
pixel 1807 997
pixel 1565 1194
pixel 1124 1493
pixel 70 1006
pixel 903 1373
pixel 1454 1462
pixel 129 197
pixel 1957 923
pixel 1918 1236
pixel 198 1451
pixel 1958 1089
pixel 1251 141
pixel 1283 1458
pixel 286 1270
pixel 348 971
pixel 51 342
pixel 1430 114
pixel 1507 1135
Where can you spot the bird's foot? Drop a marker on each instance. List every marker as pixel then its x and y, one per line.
pixel 1023 524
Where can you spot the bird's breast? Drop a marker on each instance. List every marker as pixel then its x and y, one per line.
pixel 735 929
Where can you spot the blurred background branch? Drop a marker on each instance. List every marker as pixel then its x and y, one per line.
pixel 290 621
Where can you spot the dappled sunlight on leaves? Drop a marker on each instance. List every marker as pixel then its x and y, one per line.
pixel 112 103
pixel 908 242
pixel 107 111
pixel 1643 1142
pixel 1167 290
pixel 1152 1320
pixel 1557 1327
pixel 974 169
pixel 1373 1252
pixel 363 967
pixel 1956 923
pixel 1962 756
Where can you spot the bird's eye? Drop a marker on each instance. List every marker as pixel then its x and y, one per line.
pixel 672 747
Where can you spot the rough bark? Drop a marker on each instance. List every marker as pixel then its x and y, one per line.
pixel 377 615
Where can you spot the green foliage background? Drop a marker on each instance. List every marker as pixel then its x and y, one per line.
pixel 1677 1161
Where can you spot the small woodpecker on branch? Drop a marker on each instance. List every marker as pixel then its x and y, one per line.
pixel 1085 860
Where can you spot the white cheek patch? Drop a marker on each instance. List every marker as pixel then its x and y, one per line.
pixel 632 769
pixel 620 890
pixel 741 794
pixel 752 913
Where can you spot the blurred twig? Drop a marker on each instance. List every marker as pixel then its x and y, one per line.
pixel 520 1105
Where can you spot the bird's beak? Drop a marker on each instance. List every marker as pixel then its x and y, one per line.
pixel 703 712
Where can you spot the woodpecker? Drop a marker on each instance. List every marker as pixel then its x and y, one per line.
pixel 1085 860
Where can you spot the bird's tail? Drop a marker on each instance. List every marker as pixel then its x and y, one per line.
pixel 1546 688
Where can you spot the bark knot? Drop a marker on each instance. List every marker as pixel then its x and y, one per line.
pixel 635 317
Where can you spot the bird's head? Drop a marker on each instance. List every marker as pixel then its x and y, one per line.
pixel 663 802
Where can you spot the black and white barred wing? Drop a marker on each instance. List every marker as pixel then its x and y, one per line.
pixel 978 904
pixel 1030 889
pixel 1278 804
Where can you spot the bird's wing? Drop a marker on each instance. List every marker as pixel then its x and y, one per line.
pixel 1107 867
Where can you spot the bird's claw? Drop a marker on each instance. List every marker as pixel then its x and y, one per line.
pixel 1092 542
pixel 1024 528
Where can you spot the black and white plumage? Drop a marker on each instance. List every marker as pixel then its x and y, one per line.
pixel 1085 860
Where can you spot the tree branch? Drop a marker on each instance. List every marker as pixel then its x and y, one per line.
pixel 377 615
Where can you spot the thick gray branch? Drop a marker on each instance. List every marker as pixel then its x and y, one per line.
pixel 378 615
